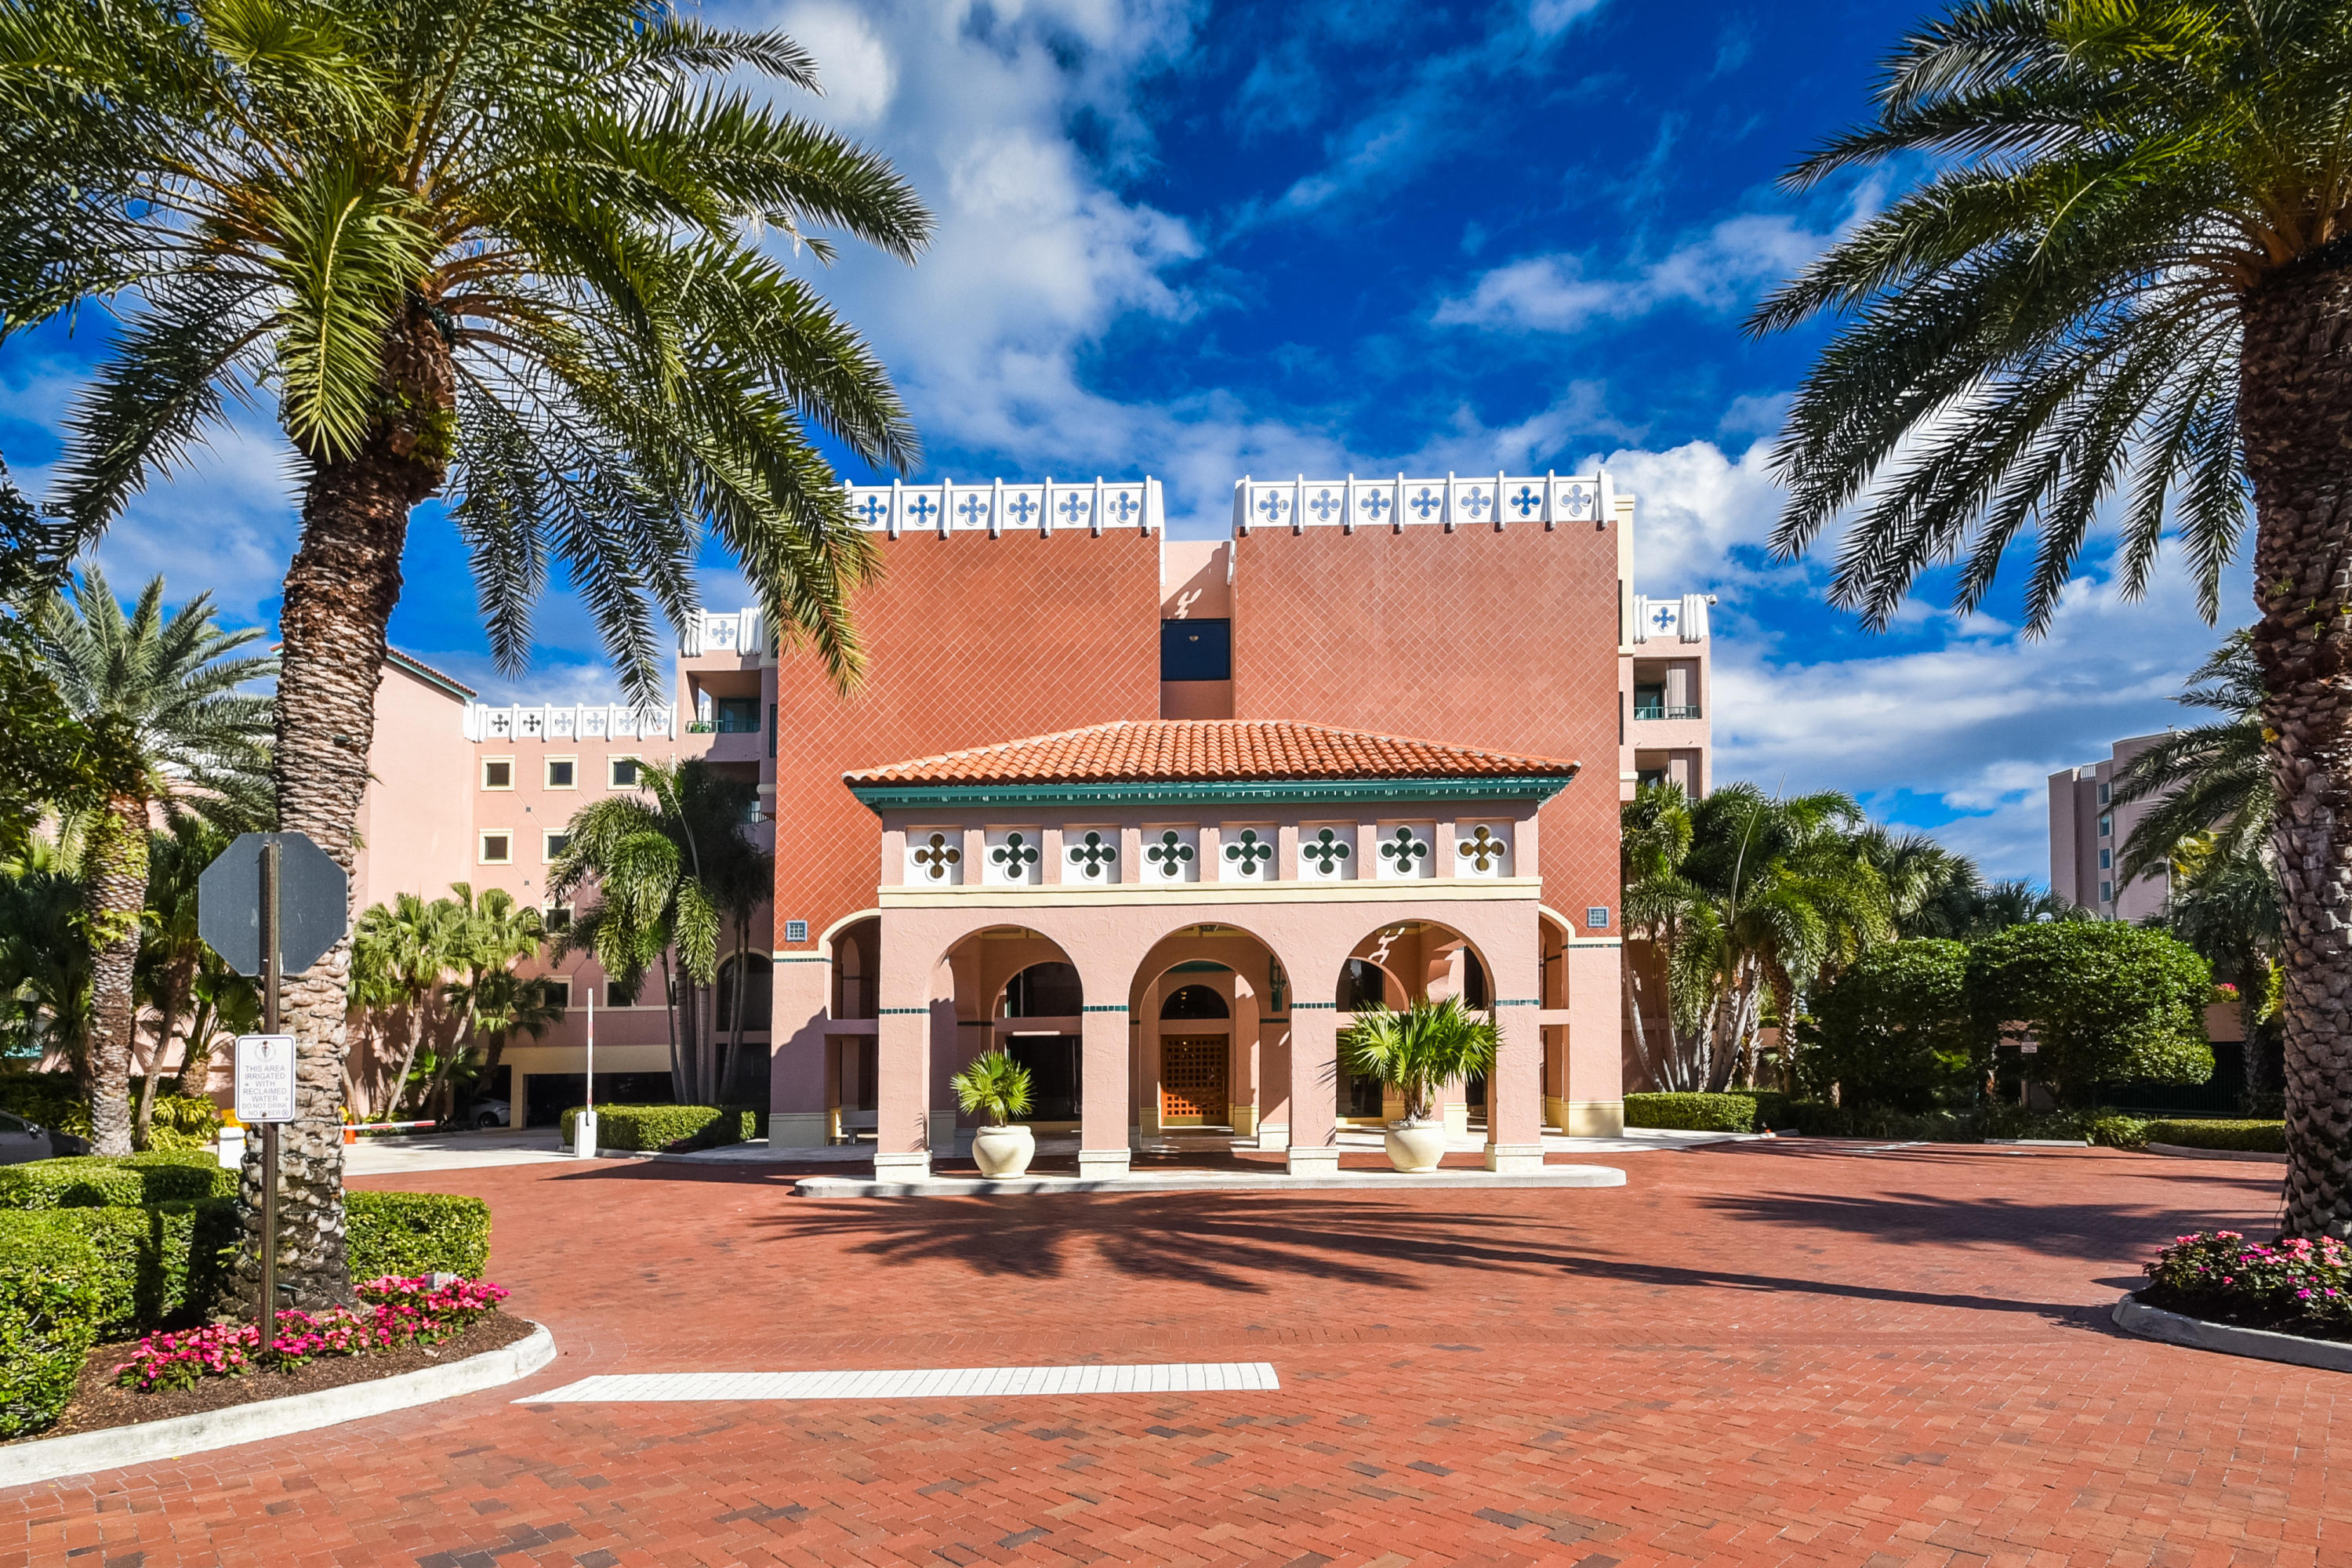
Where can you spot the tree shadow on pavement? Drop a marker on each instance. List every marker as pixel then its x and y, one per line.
pixel 1256 1244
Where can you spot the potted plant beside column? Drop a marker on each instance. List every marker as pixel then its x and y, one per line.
pixel 996 1088
pixel 1416 1052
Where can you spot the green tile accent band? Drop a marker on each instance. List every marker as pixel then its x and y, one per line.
pixel 1519 1002
pixel 1325 1006
pixel 889 1010
pixel 1106 1008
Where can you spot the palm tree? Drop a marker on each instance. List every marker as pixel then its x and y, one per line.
pixel 1418 1050
pixel 1786 895
pixel 666 862
pixel 488 934
pixel 190 740
pixel 2121 280
pixel 516 257
pixel 1660 904
pixel 171 953
pixel 2209 781
pixel 45 958
pixel 400 954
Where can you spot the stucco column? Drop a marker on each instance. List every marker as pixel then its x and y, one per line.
pixel 903 1069
pixel 1314 1088
pixel 1102 1093
pixel 798 1108
pixel 1595 1049
pixel 1274 1075
pixel 1514 1089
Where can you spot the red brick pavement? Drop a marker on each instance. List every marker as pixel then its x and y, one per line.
pixel 1753 1354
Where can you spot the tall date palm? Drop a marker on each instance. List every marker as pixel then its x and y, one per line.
pixel 514 256
pixel 167 686
pixel 2125 287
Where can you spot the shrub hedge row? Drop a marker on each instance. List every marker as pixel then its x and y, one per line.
pixel 409 1234
pixel 667 1129
pixel 2256 1137
pixel 1692 1112
pixel 102 1181
pixel 51 1301
pixel 152 1263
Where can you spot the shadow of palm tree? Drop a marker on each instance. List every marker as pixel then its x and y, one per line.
pixel 1251 1244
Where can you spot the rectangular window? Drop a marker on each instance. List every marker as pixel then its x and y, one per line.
pixel 555 917
pixel 497 848
pixel 1196 650
pixel 552 844
pixel 2107 892
pixel 617 994
pixel 557 989
pixel 738 715
pixel 497 773
pixel 796 931
pixel 2106 860
pixel 2106 823
pixel 2107 794
pixel 624 772
pixel 1596 917
pixel 562 773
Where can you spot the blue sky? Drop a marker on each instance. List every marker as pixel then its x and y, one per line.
pixel 1196 241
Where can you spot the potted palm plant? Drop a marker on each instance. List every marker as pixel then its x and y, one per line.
pixel 997 1088
pixel 1416 1052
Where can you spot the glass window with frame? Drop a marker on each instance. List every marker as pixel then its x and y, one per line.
pixel 553 843
pixel 497 773
pixel 737 715
pixel 562 773
pixel 555 917
pixel 557 990
pixel 622 773
pixel 497 848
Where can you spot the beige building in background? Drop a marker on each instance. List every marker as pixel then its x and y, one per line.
pixel 2087 832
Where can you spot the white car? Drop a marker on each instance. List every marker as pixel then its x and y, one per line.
pixel 489 1113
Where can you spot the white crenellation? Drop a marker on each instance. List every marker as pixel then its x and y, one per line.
pixel 993 507
pixel 1452 502
pixel 533 721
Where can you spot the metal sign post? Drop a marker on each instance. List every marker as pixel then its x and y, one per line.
pixel 583 1126
pixel 269 903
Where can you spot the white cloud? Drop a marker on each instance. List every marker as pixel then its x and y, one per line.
pixel 1716 272
pixel 853 67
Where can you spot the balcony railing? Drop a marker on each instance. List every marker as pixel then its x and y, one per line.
pixel 1660 711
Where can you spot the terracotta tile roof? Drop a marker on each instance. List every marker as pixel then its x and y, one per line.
pixel 1171 749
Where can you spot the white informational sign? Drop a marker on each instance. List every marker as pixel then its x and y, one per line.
pixel 265 1077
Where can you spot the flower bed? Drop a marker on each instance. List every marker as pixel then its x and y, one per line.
pixel 398 1314
pixel 2292 1286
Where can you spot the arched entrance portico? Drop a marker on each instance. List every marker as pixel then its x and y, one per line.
pixel 1209 1015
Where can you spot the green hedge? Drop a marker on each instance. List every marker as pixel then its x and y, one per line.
pixel 119 1181
pixel 1692 1112
pixel 50 1301
pixel 154 1263
pixel 2256 1137
pixel 409 1234
pixel 667 1129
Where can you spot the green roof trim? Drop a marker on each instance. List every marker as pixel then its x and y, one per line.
pixel 427 674
pixel 1212 791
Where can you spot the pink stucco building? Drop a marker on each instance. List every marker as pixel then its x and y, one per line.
pixel 2087 832
pixel 1492 617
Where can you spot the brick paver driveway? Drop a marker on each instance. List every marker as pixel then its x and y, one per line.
pixel 1752 1354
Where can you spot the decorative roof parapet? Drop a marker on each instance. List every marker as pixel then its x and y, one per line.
pixel 1494 501
pixel 1685 619
pixel 567 721
pixel 994 505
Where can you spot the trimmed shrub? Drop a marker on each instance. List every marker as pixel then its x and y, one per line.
pixel 152 1264
pixel 1891 1030
pixel 183 1122
pixel 407 1235
pixel 667 1129
pixel 119 1181
pixel 50 1299
pixel 2109 1003
pixel 1692 1112
pixel 2254 1137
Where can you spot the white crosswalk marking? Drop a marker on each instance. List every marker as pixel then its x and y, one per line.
pixel 943 1383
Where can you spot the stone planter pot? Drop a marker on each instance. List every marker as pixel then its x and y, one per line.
pixel 1416 1145
pixel 1003 1153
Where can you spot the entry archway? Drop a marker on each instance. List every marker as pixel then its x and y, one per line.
pixel 1209 1005
pixel 1394 967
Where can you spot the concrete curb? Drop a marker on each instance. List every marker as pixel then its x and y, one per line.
pixel 2135 1317
pixel 1207 1181
pixel 85 1453
pixel 2183 1152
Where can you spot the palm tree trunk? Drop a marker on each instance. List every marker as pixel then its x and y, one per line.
pixel 408 1057
pixel 2295 421
pixel 117 859
pixel 1633 1011
pixel 339 594
pixel 677 1089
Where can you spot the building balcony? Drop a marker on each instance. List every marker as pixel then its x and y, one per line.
pixel 1664 711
